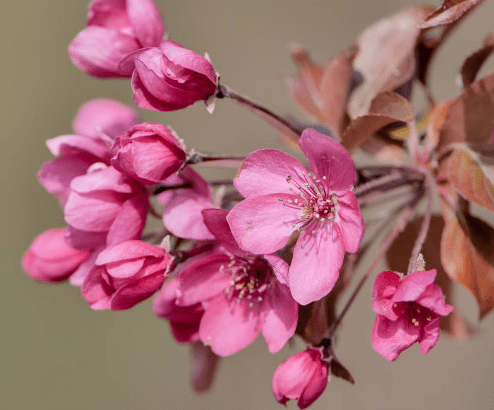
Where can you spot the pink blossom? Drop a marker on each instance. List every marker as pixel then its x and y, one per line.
pixel 182 213
pixel 97 124
pixel 50 258
pixel 184 320
pixel 104 207
pixel 101 117
pixel 149 153
pixel 408 311
pixel 115 29
pixel 303 377
pixel 240 293
pixel 125 274
pixel 283 197
pixel 170 77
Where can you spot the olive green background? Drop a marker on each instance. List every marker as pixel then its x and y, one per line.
pixel 56 353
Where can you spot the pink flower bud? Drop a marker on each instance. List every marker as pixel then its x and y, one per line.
pixel 170 77
pixel 50 258
pixel 125 274
pixel 115 29
pixel 302 377
pixel 149 153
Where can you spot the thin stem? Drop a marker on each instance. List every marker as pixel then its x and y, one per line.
pixel 274 119
pixel 424 229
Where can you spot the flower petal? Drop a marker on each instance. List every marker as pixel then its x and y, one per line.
pixel 390 338
pixel 130 221
pixel 228 326
pixel 413 285
pixel 433 299
pixel 350 222
pixel 146 21
pixel 98 50
pixel 330 159
pixel 430 335
pixel 265 172
pixel 383 291
pixel 317 258
pixel 263 224
pixel 202 280
pixel 136 291
pixel 281 317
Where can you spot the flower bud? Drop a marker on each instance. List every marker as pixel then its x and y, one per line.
pixel 170 77
pixel 125 274
pixel 149 153
pixel 50 258
pixel 303 376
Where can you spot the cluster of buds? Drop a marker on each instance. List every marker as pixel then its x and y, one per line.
pixel 269 250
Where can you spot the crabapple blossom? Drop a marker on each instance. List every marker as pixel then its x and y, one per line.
pixel 283 197
pixel 125 274
pixel 115 30
pixel 302 377
pixel 104 207
pixel 50 258
pixel 149 153
pixel 171 77
pixel 97 123
pixel 408 311
pixel 240 292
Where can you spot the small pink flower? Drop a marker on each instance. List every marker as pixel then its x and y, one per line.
pixel 170 77
pixel 283 197
pixel 241 294
pixel 149 153
pixel 115 29
pixel 97 124
pixel 408 311
pixel 125 274
pixel 184 320
pixel 104 207
pixel 303 377
pixel 50 258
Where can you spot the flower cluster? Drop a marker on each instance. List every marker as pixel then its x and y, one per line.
pixel 272 250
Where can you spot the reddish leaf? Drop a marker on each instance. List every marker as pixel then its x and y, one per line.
pixel 338 370
pixel 450 11
pixel 322 92
pixel 474 62
pixel 436 121
pixel 470 115
pixel 454 324
pixel 472 175
pixel 386 57
pixel 385 109
pixel 383 149
pixel 467 255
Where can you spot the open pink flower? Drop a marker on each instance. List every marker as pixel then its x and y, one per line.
pixel 115 29
pixel 50 258
pixel 171 77
pixel 302 377
pixel 408 311
pixel 149 153
pixel 125 274
pixel 283 197
pixel 240 293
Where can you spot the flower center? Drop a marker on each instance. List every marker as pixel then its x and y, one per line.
pixel 318 203
pixel 251 277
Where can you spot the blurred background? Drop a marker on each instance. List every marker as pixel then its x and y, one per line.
pixel 56 353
